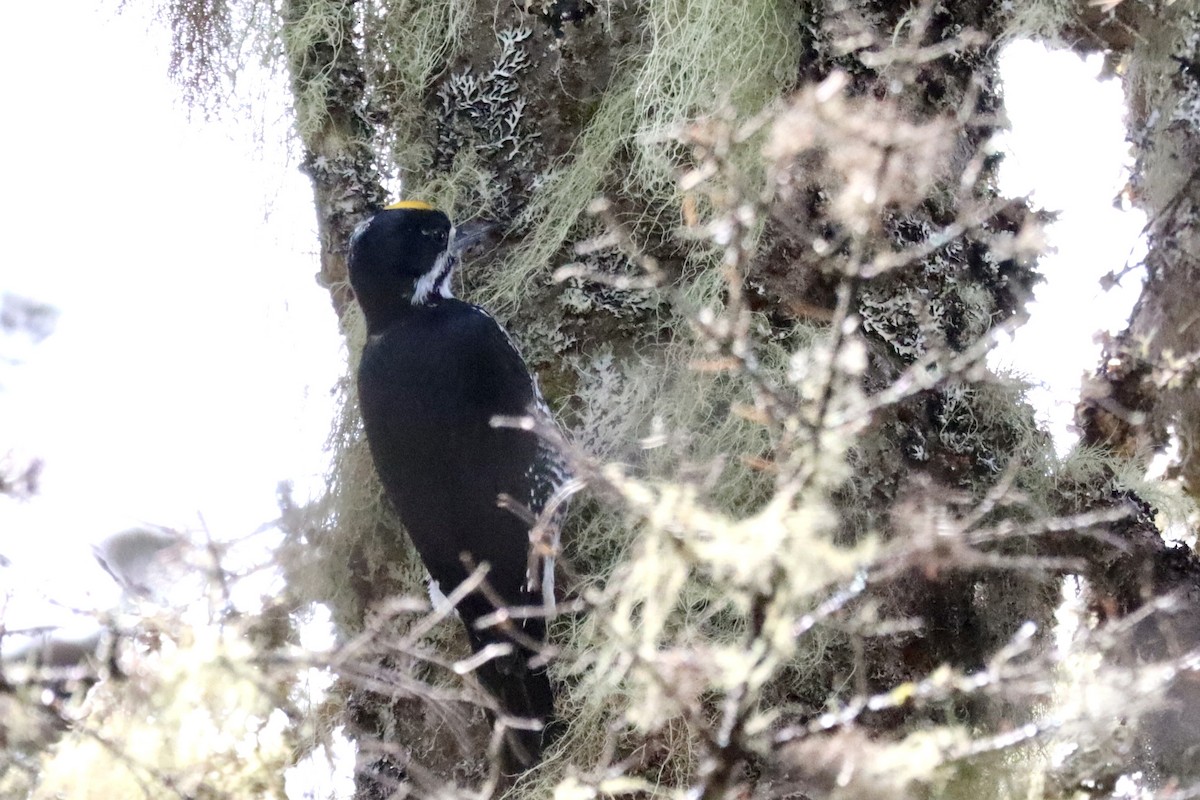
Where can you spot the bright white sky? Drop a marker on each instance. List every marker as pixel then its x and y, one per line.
pixel 1067 146
pixel 194 357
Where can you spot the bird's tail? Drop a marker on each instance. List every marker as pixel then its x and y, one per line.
pixel 524 696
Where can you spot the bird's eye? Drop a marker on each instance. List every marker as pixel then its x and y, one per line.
pixel 434 233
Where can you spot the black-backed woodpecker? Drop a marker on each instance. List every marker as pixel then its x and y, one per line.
pixel 435 373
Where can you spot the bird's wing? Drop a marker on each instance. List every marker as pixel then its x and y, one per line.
pixel 548 474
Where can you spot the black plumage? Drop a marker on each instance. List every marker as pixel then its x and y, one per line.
pixel 435 372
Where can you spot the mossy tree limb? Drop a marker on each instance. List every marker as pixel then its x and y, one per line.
pixel 332 119
pixel 1144 392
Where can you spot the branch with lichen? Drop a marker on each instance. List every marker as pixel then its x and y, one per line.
pixel 334 122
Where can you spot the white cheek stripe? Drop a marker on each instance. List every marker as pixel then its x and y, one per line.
pixel 435 281
pixel 359 230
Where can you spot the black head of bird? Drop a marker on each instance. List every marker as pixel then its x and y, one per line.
pixel 406 254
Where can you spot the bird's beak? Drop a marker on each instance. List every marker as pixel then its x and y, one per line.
pixel 471 236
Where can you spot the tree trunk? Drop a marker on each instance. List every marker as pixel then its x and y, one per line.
pixel 797 181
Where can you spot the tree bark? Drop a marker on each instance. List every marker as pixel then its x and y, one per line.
pixel 526 112
pixel 335 126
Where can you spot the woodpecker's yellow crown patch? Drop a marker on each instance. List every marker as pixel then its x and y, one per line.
pixel 420 205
